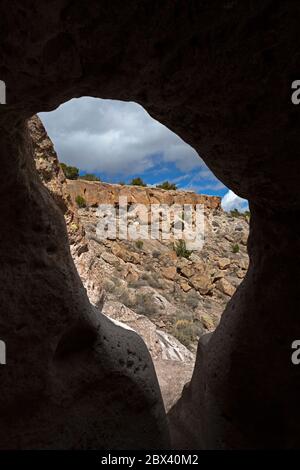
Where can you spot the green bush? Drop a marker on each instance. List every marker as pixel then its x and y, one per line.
pixel 137 182
pixel 71 172
pixel 235 213
pixel 89 177
pixel 80 201
pixel 246 214
pixel 167 186
pixel 235 248
pixel 181 250
pixel 139 244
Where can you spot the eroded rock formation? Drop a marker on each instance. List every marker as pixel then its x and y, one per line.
pixel 219 75
pixel 73 378
pixel 52 176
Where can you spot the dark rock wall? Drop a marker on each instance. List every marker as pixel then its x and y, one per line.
pixel 219 74
pixel 73 378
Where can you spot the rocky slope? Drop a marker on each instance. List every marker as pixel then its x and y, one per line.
pixel 170 300
pixel 182 294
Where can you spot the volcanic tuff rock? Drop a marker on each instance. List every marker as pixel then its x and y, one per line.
pixel 103 353
pixel 53 178
pixel 218 74
pixel 173 362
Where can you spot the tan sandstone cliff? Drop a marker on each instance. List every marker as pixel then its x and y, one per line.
pixel 105 193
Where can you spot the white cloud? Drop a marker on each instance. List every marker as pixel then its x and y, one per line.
pixel 115 137
pixel 203 180
pixel 231 201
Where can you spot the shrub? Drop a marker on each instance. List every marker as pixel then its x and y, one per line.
pixel 246 215
pixel 184 331
pixel 235 213
pixel 167 186
pixel 80 201
pixel 108 285
pixel 181 250
pixel 117 281
pixel 145 305
pixel 139 244
pixel 156 254
pixel 192 299
pixel 137 284
pixel 235 248
pixel 122 183
pixel 125 298
pixel 137 182
pixel 152 281
pixel 73 227
pixel 71 172
pixel 89 177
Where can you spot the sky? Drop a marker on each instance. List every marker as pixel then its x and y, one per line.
pixel 119 140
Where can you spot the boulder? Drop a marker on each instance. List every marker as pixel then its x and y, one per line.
pixel 173 362
pixel 223 263
pixel 201 283
pixel 169 272
pixel 125 255
pixel 184 285
pixel 225 286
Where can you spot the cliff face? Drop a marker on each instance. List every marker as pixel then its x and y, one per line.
pixel 52 176
pixel 103 193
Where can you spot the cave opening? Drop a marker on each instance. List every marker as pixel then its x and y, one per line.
pixel 104 150
pixel 220 76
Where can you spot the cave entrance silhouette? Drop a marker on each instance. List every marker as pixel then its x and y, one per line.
pixel 220 77
pixel 176 311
